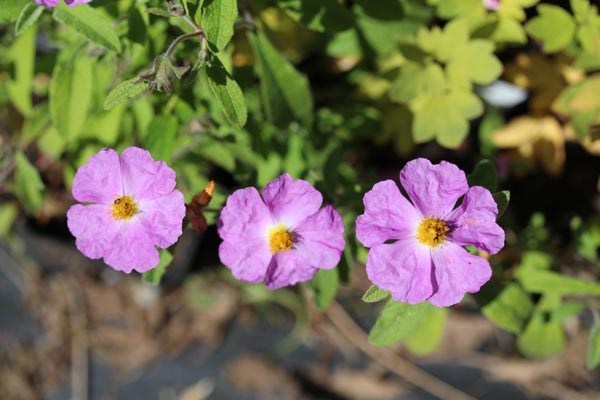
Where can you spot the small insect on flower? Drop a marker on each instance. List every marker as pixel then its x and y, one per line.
pixel 131 207
pixel 282 238
pixel 416 249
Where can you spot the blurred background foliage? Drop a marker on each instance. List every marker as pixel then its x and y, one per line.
pixel 342 94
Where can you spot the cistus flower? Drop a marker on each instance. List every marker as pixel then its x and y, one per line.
pixel 131 207
pixel 282 238
pixel 54 3
pixel 416 247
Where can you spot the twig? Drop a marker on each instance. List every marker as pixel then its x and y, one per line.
pixel 403 368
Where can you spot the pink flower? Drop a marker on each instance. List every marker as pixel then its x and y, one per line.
pixel 491 5
pixel 54 3
pixel 282 238
pixel 131 207
pixel 416 247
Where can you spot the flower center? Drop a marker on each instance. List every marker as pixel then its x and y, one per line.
pixel 280 239
pixel 432 232
pixel 124 207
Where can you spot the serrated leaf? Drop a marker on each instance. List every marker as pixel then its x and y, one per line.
pixel 473 62
pixel 28 17
pixel 28 184
pixel 510 309
pixel 324 286
pixel 502 199
pixel 593 355
pixel 414 80
pixel 285 92
pixel 484 175
pixel 70 95
pixel 554 26
pixel 90 23
pixel 426 336
pixel 160 137
pixel 155 275
pixel 218 17
pixel 227 92
pixel 397 321
pixel 374 294
pixel 125 91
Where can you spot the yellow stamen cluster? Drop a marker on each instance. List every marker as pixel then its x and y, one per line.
pixel 124 207
pixel 432 232
pixel 280 239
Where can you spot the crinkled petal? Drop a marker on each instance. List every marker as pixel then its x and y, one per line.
pixel 291 200
pixel 457 272
pixel 72 3
pixel 288 268
pixel 144 178
pixel 244 217
pixel 99 181
pixel 248 259
pixel 433 189
pixel 163 218
pixel 404 268
pixel 474 221
pixel 93 227
pixel 132 249
pixel 48 3
pixel 321 238
pixel 388 215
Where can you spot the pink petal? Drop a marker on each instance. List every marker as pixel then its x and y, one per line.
pixel 163 218
pixel 291 200
pixel 288 268
pixel 244 217
pixel 457 272
pixel 144 178
pixel 388 215
pixel 474 221
pixel 321 238
pixel 99 181
pixel 247 259
pixel 132 249
pixel 433 189
pixel 403 268
pixel 93 227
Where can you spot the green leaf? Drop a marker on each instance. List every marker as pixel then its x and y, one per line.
pixel 502 199
pixel 426 336
pixel 227 91
pixel 324 286
pixel 510 309
pixel 543 281
pixel 374 294
pixel 285 92
pixel 218 17
pixel 414 80
pixel 160 138
pixel 90 23
pixel 22 56
pixel 554 26
pixel 125 91
pixel 541 338
pixel 484 175
pixel 70 95
pixel 593 355
pixel 28 16
pixel 28 184
pixel 10 10
pixel 319 15
pixel 397 321
pixel 567 310
pixel 155 275
pixel 473 62
pixel 8 215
